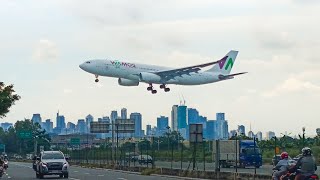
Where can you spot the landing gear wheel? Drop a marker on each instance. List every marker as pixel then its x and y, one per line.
pixel 149 88
pixel 97 80
pixel 166 89
pixel 154 91
pixel 162 86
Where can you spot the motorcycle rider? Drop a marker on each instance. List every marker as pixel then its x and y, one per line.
pixel 306 164
pixel 282 166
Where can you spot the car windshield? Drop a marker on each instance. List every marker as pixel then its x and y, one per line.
pixel 52 156
pixel 252 151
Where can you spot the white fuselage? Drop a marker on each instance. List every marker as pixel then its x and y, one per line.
pixel 131 71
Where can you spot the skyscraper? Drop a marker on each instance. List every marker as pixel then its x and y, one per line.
pixel 60 122
pixel 148 128
pixel 71 128
pixel 259 135
pixel 48 125
pixel 138 123
pixel 210 130
pixel 232 133
pixel 182 117
pixel 222 127
pixel 162 125
pixel 81 126
pixel 270 135
pixel 174 118
pixel 114 115
pixel 36 118
pixel 193 116
pixel 241 130
pixel 5 126
pixel 251 134
pixel 89 119
pixel 123 113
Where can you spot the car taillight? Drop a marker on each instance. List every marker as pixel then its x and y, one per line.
pixel 314 177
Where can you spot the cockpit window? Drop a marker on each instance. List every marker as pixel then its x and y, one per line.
pixel 88 62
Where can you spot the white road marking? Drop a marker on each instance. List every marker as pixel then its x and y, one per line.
pixel 100 175
pixel 75 171
pixel 122 178
pixel 74 178
pixel 86 173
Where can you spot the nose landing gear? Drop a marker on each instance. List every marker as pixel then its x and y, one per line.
pixel 97 80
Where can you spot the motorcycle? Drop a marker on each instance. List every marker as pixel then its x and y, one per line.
pixel 6 164
pixel 1 171
pixel 292 175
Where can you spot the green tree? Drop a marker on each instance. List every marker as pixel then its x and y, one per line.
pixel 7 98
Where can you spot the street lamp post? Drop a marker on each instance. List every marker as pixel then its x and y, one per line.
pixel 168 128
pixel 303 137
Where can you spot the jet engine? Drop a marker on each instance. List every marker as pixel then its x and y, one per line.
pixel 149 77
pixel 127 82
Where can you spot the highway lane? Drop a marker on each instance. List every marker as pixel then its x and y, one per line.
pixel 24 171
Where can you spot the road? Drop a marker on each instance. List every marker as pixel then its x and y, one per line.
pixel 264 170
pixel 24 171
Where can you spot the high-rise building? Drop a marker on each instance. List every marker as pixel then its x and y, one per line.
pixel 71 128
pixel 114 115
pixel 232 133
pixel 318 131
pixel 162 125
pixel 251 134
pixel 104 119
pixel 222 127
pixel 81 126
pixel 5 126
pixel 270 135
pixel 89 119
pixel 149 131
pixel 182 117
pixel 36 118
pixel 259 135
pixel 123 113
pixel 60 122
pixel 193 116
pixel 48 125
pixel 241 130
pixel 210 131
pixel 138 124
pixel 174 118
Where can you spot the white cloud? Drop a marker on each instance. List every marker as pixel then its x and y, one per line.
pixel 45 51
pixel 67 91
pixel 293 85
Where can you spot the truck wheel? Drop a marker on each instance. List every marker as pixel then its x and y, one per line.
pixel 66 175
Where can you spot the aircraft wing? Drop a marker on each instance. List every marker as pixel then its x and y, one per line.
pixel 172 73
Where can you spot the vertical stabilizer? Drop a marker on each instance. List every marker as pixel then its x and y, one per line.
pixel 226 63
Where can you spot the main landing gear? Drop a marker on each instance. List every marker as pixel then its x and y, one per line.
pixel 163 86
pixel 97 80
pixel 150 88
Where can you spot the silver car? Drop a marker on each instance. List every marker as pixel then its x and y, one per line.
pixel 52 163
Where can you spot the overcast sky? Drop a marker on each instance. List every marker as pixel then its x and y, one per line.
pixel 43 43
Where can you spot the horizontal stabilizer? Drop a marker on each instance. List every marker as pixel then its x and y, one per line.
pixel 230 76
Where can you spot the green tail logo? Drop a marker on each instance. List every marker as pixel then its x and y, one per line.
pixel 223 62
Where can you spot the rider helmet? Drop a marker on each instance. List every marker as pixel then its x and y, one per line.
pixel 284 155
pixel 306 151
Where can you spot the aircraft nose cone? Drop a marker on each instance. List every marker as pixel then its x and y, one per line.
pixel 82 66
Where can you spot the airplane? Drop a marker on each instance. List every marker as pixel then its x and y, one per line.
pixel 131 74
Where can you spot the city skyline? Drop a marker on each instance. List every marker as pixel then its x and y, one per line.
pixel 44 42
pixel 240 128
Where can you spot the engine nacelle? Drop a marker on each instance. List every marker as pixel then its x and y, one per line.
pixel 127 82
pixel 149 77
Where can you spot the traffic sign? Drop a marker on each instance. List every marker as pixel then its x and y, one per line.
pixel 2 146
pixel 25 134
pixel 75 141
pixel 196 133
pixel 99 127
